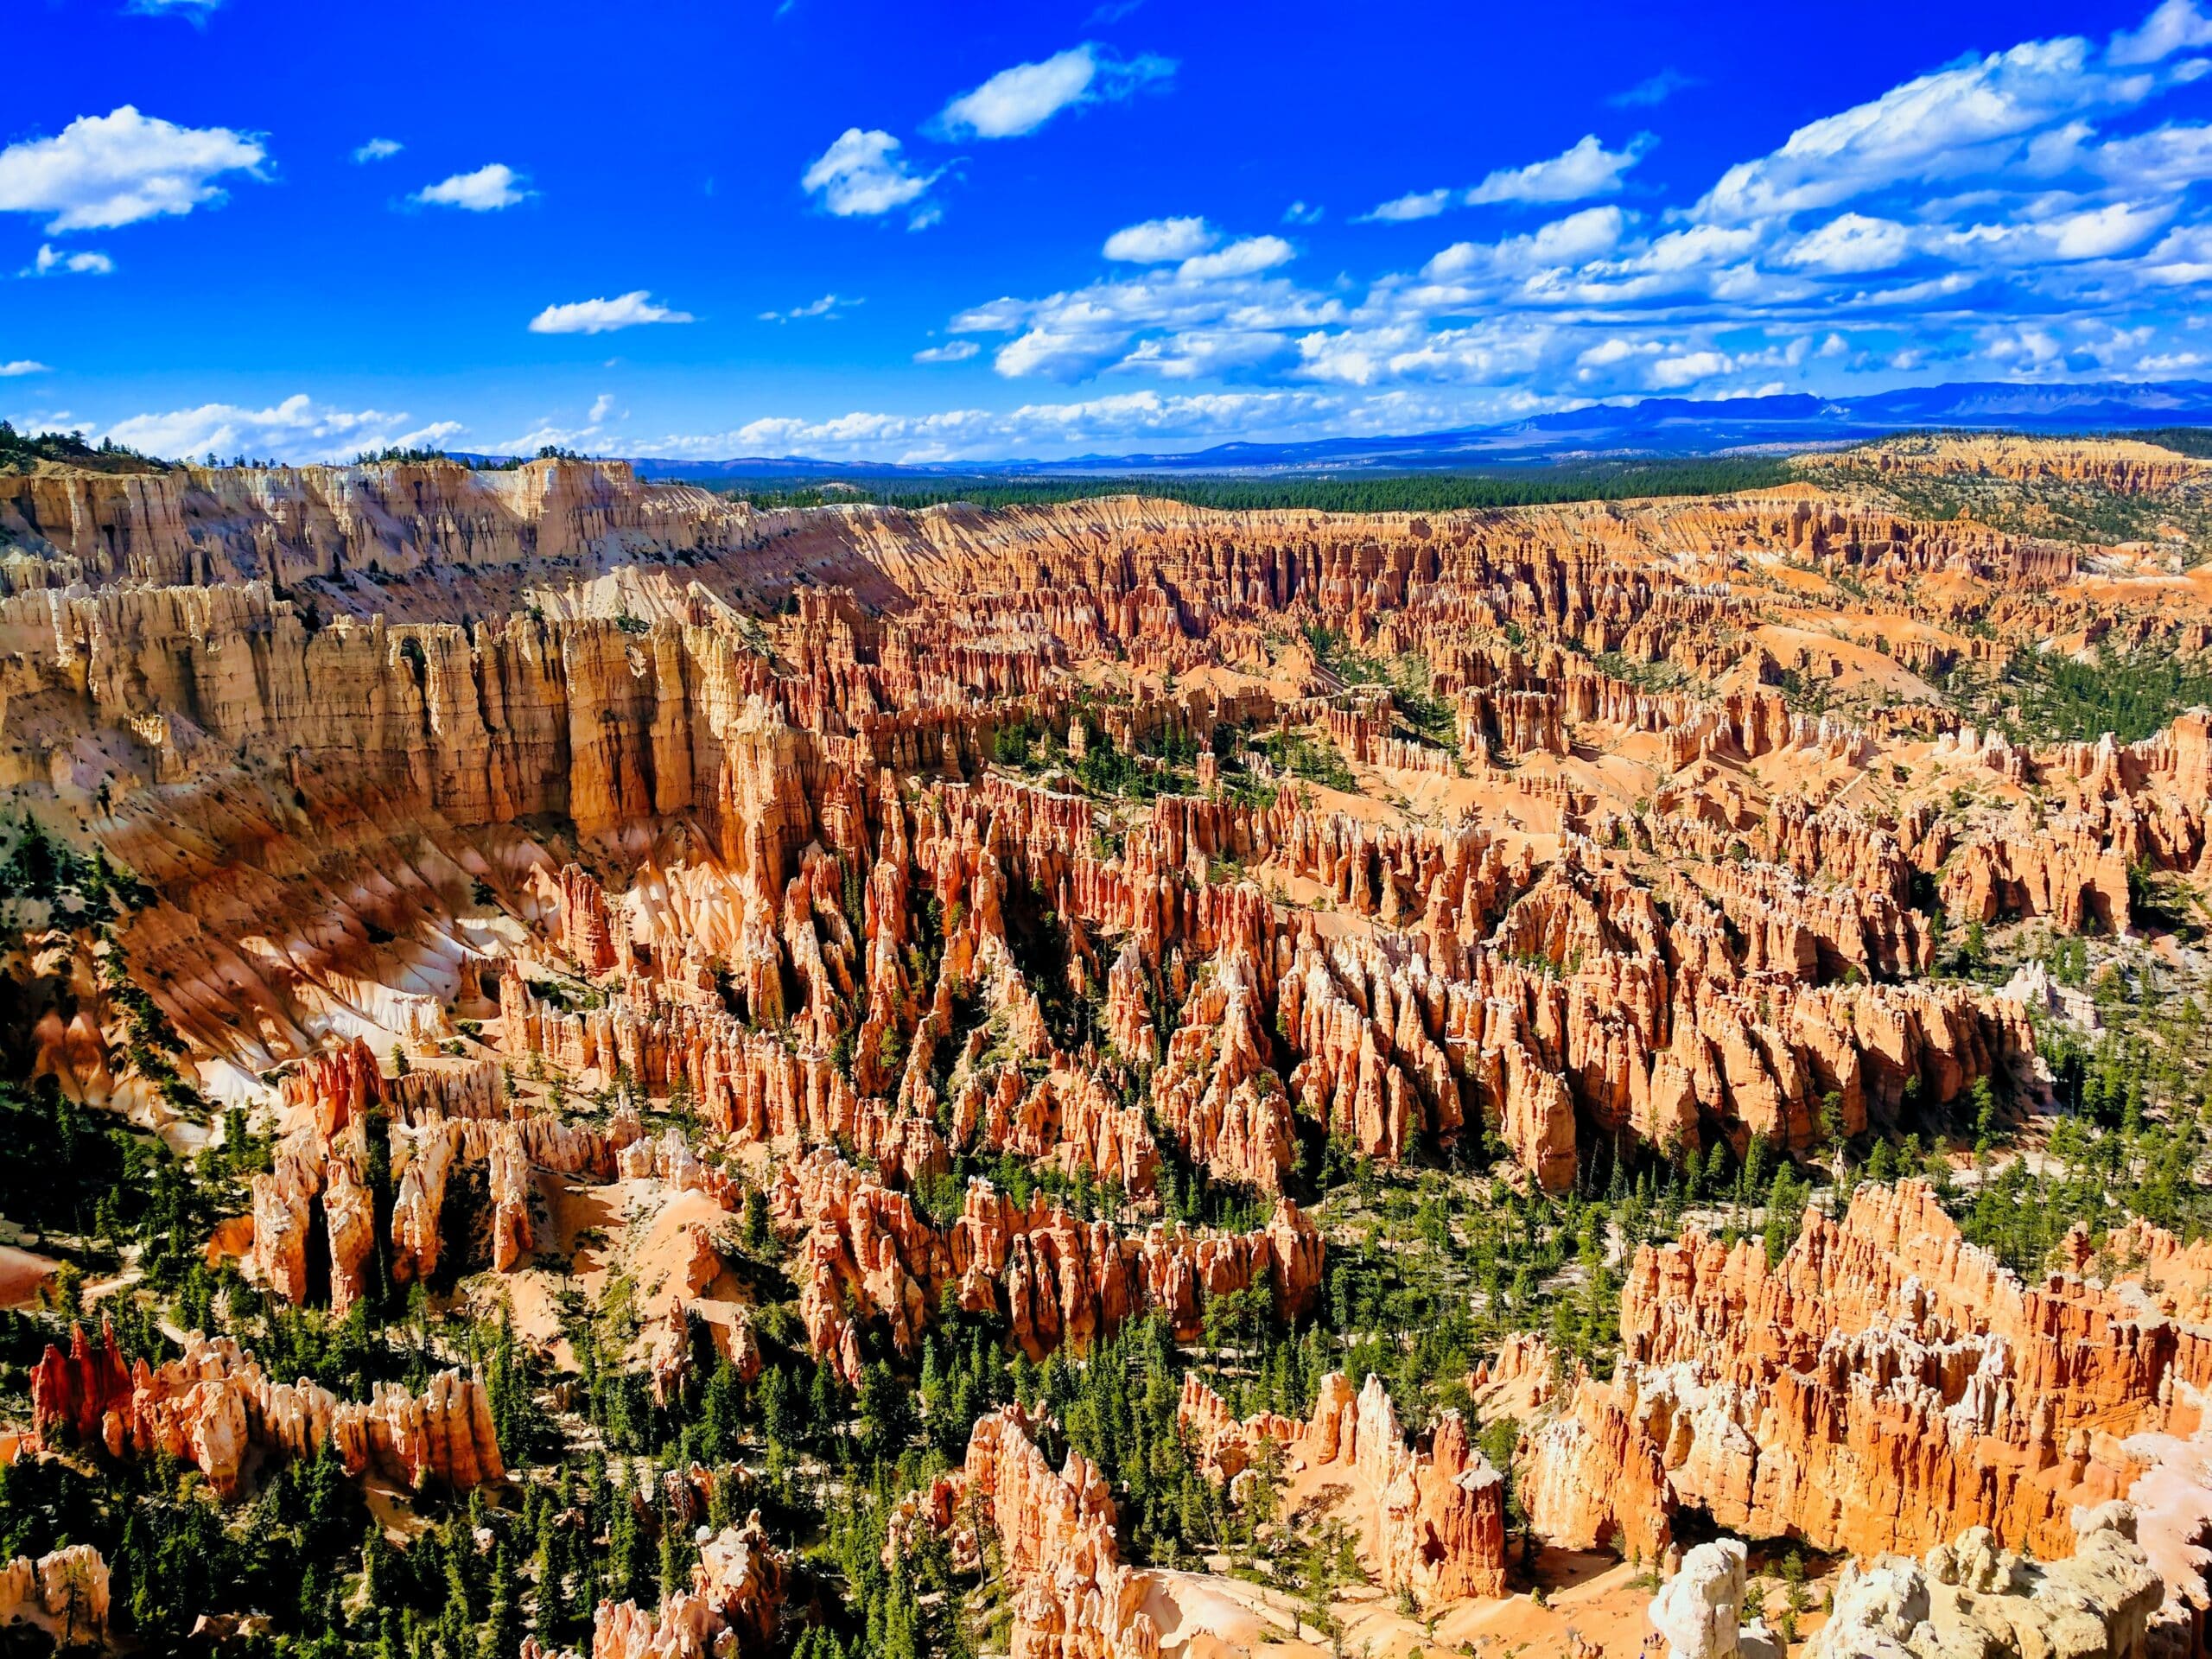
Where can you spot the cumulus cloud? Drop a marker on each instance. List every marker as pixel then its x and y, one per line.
pixel 1419 204
pixel 103 171
pixel 21 366
pixel 85 262
pixel 1158 240
pixel 1585 168
pixel 604 316
pixel 1581 236
pixel 1852 243
pixel 1681 369
pixel 953 351
pixel 1979 116
pixel 1246 258
pixel 378 149
pixel 1023 98
pixel 1215 305
pixel 601 407
pixel 862 175
pixel 828 306
pixel 485 191
pixel 2176 26
pixel 297 429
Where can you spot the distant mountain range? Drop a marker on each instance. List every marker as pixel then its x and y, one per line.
pixel 1665 427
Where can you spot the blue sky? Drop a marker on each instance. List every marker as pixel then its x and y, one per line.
pixel 927 233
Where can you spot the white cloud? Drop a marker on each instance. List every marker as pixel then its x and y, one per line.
pixel 1147 416
pixel 1852 243
pixel 828 306
pixel 193 11
pixel 1581 236
pixel 1420 203
pixel 87 262
pixel 21 366
pixel 297 429
pixel 378 149
pixel 102 171
pixel 486 190
pixel 863 174
pixel 1245 258
pixel 2018 214
pixel 1158 240
pixel 1687 368
pixel 1023 98
pixel 1301 212
pixel 2104 232
pixel 1586 168
pixel 1653 89
pixel 433 436
pixel 2165 158
pixel 2176 26
pixel 604 316
pixel 1977 115
pixel 1607 353
pixel 601 407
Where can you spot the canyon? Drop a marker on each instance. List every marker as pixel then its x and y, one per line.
pixel 832 936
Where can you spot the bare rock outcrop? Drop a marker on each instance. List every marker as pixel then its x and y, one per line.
pixel 1697 1613
pixel 1971 1597
pixel 1883 1387
pixel 1437 1506
pixel 64 1593
pixel 1058 1280
pixel 731 1608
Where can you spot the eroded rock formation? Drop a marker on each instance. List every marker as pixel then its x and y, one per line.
pixel 213 1407
pixel 64 1592
pixel 731 1608
pixel 1072 1597
pixel 867 1252
pixel 1971 1597
pixel 1883 1387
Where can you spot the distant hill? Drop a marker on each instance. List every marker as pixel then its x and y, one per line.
pixel 1657 426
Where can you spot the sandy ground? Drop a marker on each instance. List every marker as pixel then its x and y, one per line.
pixel 659 1240
pixel 22 1274
pixel 1593 1598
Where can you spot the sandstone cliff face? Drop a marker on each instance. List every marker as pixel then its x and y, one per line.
pixel 214 1405
pixel 2123 465
pixel 1697 1613
pixel 583 769
pixel 1440 1511
pixel 292 525
pixel 1883 1387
